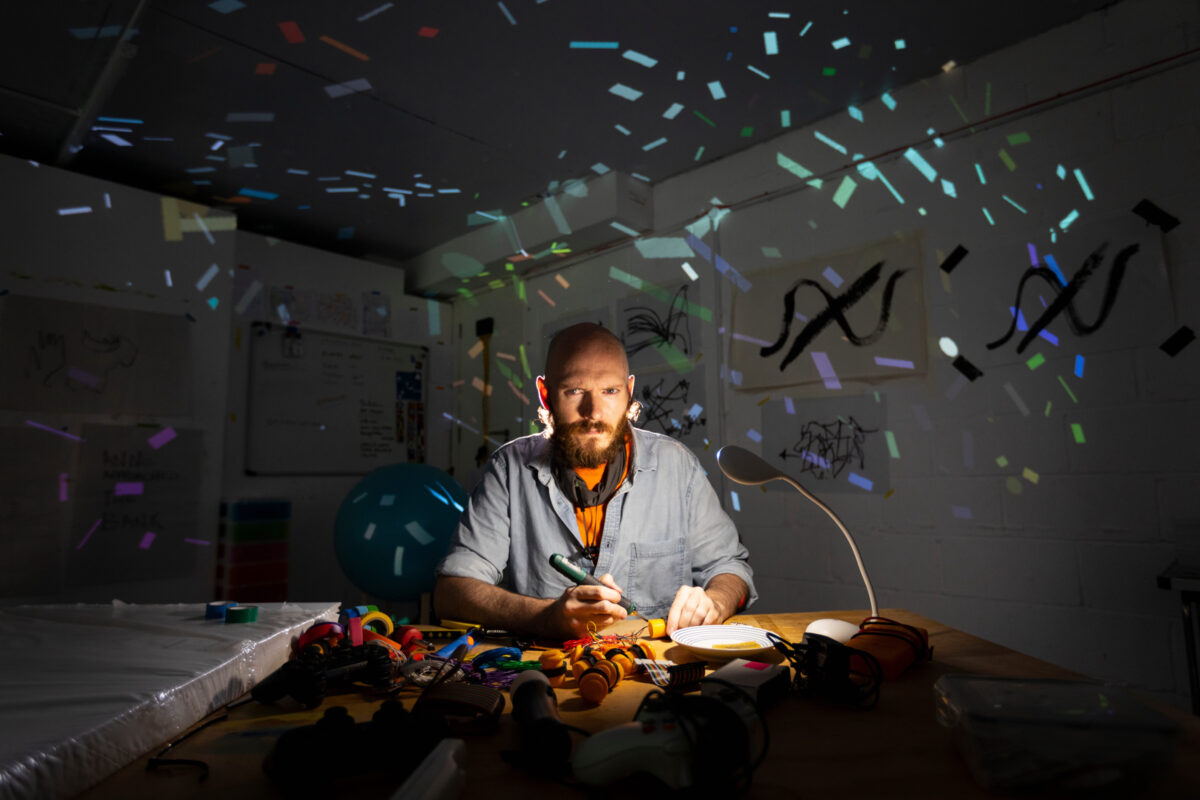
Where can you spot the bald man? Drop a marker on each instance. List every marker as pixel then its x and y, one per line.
pixel 628 505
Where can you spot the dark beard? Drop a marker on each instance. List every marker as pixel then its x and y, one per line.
pixel 570 451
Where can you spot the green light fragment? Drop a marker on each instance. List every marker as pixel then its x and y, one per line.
pixel 791 166
pixel 1077 432
pixel 842 195
pixel 1007 159
pixel 828 71
pixel 1014 204
pixel 704 118
pixel 1047 411
pixel 957 108
pixel 1001 461
pixel 747 131
pixel 1035 362
pixel 1015 139
pixel 893 450
pixel 525 362
pixel 674 356
pixel 1067 389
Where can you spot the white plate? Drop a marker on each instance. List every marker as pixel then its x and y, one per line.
pixel 707 640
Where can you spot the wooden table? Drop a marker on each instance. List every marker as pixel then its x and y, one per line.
pixel 817 750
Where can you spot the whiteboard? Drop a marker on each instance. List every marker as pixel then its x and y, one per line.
pixel 328 404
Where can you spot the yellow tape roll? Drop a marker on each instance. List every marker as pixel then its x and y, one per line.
pixel 379 616
pixel 658 628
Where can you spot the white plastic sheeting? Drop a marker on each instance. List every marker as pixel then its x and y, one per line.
pixel 86 689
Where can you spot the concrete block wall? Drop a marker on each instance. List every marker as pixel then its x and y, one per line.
pixel 997 521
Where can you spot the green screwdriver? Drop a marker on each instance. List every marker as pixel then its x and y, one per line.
pixel 560 563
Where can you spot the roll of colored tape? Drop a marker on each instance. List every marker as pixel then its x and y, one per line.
pixel 241 614
pixel 378 618
pixel 658 628
pixel 216 609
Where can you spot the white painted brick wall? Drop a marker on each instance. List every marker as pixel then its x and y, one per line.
pixel 1058 562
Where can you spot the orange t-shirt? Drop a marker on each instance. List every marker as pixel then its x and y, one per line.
pixel 591 520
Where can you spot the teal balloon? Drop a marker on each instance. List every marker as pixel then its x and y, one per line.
pixel 395 526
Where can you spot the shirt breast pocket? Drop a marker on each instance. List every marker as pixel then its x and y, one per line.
pixel 656 571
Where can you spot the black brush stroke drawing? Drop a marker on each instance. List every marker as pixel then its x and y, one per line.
pixel 1066 296
pixel 660 406
pixel 834 312
pixel 655 330
pixel 826 449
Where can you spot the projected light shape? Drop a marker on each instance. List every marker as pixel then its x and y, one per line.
pixel 744 467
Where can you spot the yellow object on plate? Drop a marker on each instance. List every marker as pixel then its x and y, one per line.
pixel 724 641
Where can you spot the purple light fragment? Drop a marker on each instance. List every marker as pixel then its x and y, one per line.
pixel 147 540
pixel 47 428
pixel 80 376
pixel 860 481
pixel 826 370
pixel 741 337
pixel 203 542
pixel 814 458
pixel 127 488
pixel 162 437
pixel 88 535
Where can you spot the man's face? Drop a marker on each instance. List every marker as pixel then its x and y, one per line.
pixel 589 398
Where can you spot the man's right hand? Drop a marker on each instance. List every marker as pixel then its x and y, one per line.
pixel 579 605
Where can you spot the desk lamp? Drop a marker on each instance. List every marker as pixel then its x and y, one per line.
pixel 742 466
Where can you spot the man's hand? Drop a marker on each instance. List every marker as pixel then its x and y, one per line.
pixel 711 605
pixel 692 606
pixel 579 605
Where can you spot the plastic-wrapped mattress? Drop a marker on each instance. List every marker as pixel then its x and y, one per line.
pixel 86 689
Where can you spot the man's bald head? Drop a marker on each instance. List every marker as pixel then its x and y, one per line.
pixel 583 342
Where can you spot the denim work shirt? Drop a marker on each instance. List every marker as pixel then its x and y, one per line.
pixel 664 528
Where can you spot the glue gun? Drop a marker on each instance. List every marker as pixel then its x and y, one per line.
pixel 560 563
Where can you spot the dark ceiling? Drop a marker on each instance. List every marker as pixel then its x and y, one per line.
pixel 302 115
